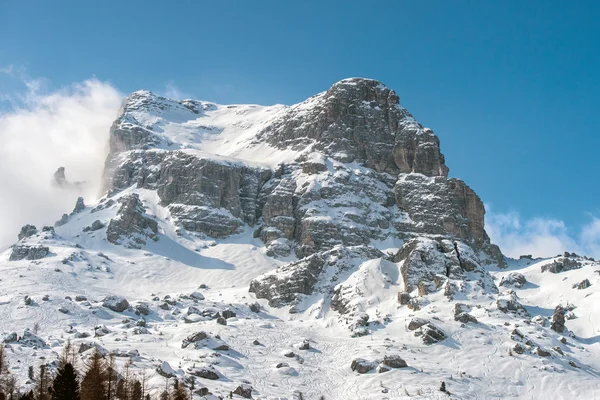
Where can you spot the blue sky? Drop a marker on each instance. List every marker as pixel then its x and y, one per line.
pixel 512 88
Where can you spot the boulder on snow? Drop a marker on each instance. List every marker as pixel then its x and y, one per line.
pixel 362 366
pixel 394 361
pixel 509 303
pixel 430 334
pixel 115 303
pixel 205 372
pixel 403 298
pixel 514 279
pixel 415 323
pixel 197 295
pixel 584 284
pixel 193 338
pixel 244 390
pixel 461 313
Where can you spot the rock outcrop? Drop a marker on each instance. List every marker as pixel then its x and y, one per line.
pixel 22 252
pixel 360 120
pixel 131 227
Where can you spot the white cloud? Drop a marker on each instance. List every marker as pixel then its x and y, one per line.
pixel 540 237
pixel 173 92
pixel 45 130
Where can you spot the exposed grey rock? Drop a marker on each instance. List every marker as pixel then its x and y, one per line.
pixel 115 303
pixel 427 263
pixel 193 338
pixel 437 205
pixel 80 297
pixel 221 321
pixel 305 345
pixel 79 206
pixel 514 279
pixel 362 366
pixel 227 313
pixel 394 361
pixel 244 390
pixel 415 323
pixel 518 348
pixel 381 368
pixel 27 231
pixel 509 303
pixel 131 227
pixel 542 352
pixel 21 252
pixel 403 298
pixel 558 319
pixel 205 372
pixel 96 225
pixel 63 220
pixel 287 284
pixel 562 264
pixel 430 334
pixel 360 119
pixel 142 309
pixel 584 284
pixel 461 313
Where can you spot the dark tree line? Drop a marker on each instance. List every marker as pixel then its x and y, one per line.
pixel 98 379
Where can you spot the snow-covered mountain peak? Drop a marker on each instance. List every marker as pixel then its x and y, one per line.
pixel 317 247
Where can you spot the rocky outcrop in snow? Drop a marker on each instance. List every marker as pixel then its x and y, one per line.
pixel 131 227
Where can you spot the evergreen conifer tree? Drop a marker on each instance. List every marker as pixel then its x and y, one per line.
pixel 65 385
pixel 93 385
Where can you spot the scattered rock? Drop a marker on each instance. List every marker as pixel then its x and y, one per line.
pixel 415 323
pixel 558 319
pixel 206 373
pixel 541 352
pixel 115 303
pixel 584 284
pixel 514 279
pixel 362 366
pixel 305 345
pixel 518 348
pixel 403 298
pixel 430 334
pixel 244 390
pixel 394 361
pixel 197 295
pixel 193 338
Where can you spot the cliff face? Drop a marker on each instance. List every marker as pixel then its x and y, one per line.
pixel 336 174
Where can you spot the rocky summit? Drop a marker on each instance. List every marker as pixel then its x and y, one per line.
pixel 318 250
